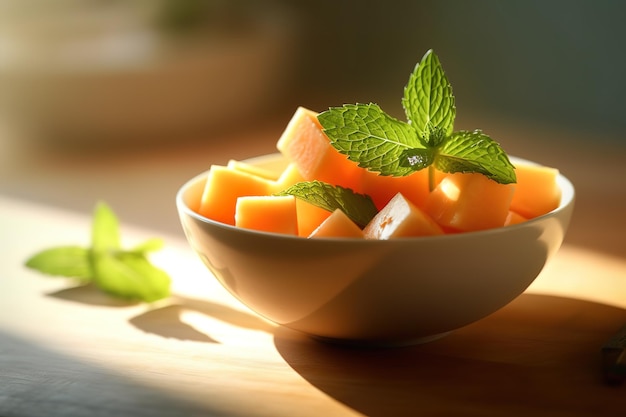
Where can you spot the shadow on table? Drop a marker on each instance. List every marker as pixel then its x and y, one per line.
pixel 539 355
pixel 165 320
pixel 37 381
pixel 90 294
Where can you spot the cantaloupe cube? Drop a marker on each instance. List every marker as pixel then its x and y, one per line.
pixel 223 187
pixel 252 169
pixel 338 224
pixel 289 176
pixel 267 213
pixel 383 188
pixel 401 218
pixel 537 191
pixel 304 143
pixel 309 217
pixel 469 202
pixel 514 218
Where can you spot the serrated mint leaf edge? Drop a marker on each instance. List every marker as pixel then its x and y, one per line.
pixel 358 207
pixel 459 154
pixel 379 149
pixel 428 99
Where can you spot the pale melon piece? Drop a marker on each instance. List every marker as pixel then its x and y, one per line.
pixel 514 218
pixel 401 218
pixel 267 214
pixel 304 143
pixel 338 224
pixel 310 217
pixel 290 176
pixel 537 191
pixel 469 202
pixel 223 187
pixel 253 169
pixel 382 188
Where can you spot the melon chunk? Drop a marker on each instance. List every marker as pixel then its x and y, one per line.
pixel 289 176
pixel 401 218
pixel 252 169
pixel 338 224
pixel 382 188
pixel 223 186
pixel 304 143
pixel 310 217
pixel 267 213
pixel 537 191
pixel 469 202
pixel 514 218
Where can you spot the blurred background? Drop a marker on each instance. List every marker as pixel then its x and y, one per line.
pixel 123 100
pixel 130 68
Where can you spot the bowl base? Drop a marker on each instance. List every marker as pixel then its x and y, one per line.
pixel 379 343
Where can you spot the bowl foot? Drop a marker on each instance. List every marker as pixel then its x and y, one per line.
pixel 357 343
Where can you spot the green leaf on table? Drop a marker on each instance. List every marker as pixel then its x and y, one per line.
pixel 150 245
pixel 67 261
pixel 122 273
pixel 130 276
pixel 105 229
pixel 358 207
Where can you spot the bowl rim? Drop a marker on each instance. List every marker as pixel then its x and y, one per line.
pixel 568 194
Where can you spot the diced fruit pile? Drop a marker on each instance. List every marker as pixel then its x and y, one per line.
pixel 244 195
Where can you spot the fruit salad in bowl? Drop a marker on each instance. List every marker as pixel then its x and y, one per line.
pixel 366 229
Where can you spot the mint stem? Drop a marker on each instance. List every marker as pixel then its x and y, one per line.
pixel 431 178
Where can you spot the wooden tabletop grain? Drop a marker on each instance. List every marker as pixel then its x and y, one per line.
pixel 68 350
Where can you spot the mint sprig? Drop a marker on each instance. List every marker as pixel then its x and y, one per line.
pixel 358 207
pixel 381 143
pixel 122 273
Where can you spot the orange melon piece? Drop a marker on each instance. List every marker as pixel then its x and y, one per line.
pixel 401 218
pixel 514 218
pixel 304 143
pixel 267 214
pixel 222 189
pixel 338 224
pixel 469 202
pixel 289 176
pixel 309 217
pixel 383 188
pixel 252 169
pixel 537 191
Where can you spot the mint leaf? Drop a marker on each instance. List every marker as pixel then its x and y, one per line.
pixel 68 261
pixel 131 276
pixel 370 137
pixel 105 230
pixel 150 245
pixel 428 100
pixel 466 151
pixel 122 273
pixel 358 207
pixel 378 142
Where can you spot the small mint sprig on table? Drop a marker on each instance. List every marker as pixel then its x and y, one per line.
pixel 121 273
pixel 381 143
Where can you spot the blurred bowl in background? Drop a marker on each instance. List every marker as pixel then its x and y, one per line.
pixel 103 75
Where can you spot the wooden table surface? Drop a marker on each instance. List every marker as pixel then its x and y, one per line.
pixel 67 350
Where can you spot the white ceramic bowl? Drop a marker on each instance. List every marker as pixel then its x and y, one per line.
pixel 392 292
